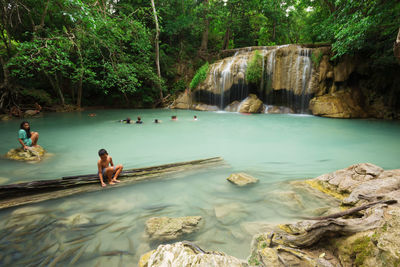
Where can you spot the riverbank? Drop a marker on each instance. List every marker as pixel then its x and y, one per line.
pixel 363 232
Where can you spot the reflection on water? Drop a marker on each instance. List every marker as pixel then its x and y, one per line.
pixel 107 228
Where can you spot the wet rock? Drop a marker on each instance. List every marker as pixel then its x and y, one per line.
pixel 32 154
pixel 252 104
pixel 257 227
pixel 31 113
pixel 187 254
pixel 242 179
pixel 233 107
pixel 166 229
pixel 340 104
pixel 358 182
pixel 184 101
pixel 5 117
pixel 229 213
pixel 76 219
pixel 279 110
pixel 4 180
pixel 204 107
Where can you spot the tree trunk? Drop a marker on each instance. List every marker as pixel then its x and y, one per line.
pixel 54 83
pixel 396 47
pixel 157 50
pixel 204 39
pixel 226 39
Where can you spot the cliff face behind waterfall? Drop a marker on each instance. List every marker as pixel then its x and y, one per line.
pixel 295 78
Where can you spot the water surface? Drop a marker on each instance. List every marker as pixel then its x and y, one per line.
pixel 109 224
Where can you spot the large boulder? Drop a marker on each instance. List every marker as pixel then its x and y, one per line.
pixel 252 104
pixel 340 104
pixel 184 101
pixel 241 179
pixel 278 110
pixel 205 107
pixel 359 182
pixel 233 107
pixel 187 254
pixel 166 229
pixel 32 154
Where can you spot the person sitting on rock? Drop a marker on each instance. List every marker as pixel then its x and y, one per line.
pixel 27 138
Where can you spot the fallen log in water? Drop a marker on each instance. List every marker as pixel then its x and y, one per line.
pixel 37 191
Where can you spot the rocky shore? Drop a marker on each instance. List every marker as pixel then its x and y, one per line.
pixel 365 231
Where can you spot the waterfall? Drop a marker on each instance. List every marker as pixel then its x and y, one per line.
pixel 286 79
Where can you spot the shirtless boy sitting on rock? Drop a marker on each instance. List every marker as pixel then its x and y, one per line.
pixel 105 170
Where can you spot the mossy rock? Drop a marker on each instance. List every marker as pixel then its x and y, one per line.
pixel 32 154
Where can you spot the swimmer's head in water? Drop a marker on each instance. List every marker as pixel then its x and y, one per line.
pixel 156 121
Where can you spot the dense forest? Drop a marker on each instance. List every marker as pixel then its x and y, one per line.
pixel 138 53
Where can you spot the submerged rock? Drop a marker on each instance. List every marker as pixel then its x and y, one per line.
pixel 187 254
pixel 76 219
pixel 242 179
pixel 166 229
pixel 252 104
pixel 32 154
pixel 230 213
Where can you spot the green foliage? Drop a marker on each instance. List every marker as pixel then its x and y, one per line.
pixel 178 86
pixel 200 76
pixel 316 58
pixel 254 68
pixel 37 95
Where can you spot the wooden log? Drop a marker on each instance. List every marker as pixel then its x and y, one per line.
pixel 36 191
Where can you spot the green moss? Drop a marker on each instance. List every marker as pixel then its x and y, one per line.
pixel 319 186
pixel 362 248
pixel 200 76
pixel 316 57
pixel 254 260
pixel 254 68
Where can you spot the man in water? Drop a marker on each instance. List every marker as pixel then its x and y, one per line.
pixel 27 138
pixel 105 170
pixel 139 120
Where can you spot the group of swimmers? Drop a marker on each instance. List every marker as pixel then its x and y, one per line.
pixel 139 120
pixel 105 164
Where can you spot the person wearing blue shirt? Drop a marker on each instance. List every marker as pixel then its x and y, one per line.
pixel 25 137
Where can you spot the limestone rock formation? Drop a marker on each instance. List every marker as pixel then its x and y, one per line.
pixel 252 104
pixel 340 104
pixel 343 69
pixel 184 101
pixel 166 229
pixel 359 182
pixel 365 235
pixel 187 254
pixel 241 179
pixel 205 107
pixel 233 107
pixel 32 154
pixel 278 110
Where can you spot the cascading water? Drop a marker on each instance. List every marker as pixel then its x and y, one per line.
pixel 286 80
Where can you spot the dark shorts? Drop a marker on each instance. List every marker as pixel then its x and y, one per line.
pixel 103 171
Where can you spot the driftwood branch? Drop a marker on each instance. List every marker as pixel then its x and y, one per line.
pixel 37 191
pixel 353 210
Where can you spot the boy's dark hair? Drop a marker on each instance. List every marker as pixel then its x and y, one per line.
pixel 102 152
